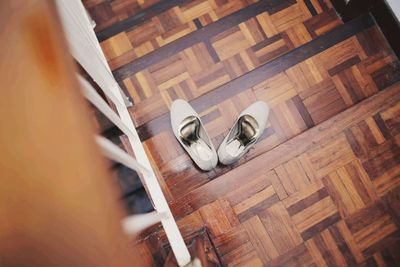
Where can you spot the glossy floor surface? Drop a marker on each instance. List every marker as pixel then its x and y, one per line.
pixel 321 188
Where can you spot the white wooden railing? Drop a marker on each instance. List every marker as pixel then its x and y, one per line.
pixel 85 48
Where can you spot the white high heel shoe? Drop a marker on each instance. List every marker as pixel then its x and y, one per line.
pixel 244 134
pixel 190 132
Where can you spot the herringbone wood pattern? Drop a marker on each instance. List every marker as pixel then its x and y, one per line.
pixel 321 188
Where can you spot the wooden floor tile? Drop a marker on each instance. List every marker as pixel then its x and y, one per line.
pixel 321 186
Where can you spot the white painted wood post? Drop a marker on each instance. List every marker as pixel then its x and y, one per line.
pixel 86 50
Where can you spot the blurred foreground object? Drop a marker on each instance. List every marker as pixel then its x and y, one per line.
pixel 58 205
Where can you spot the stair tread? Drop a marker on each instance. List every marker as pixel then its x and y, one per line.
pixel 261 73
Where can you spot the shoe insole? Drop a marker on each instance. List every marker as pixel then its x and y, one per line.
pixel 244 133
pixel 192 136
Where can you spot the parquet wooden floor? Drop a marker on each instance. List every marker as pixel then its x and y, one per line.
pixel 109 13
pixel 321 188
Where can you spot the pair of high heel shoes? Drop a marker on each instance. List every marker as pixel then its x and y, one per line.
pixel 190 132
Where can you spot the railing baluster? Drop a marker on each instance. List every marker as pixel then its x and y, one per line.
pixel 90 93
pixel 115 153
